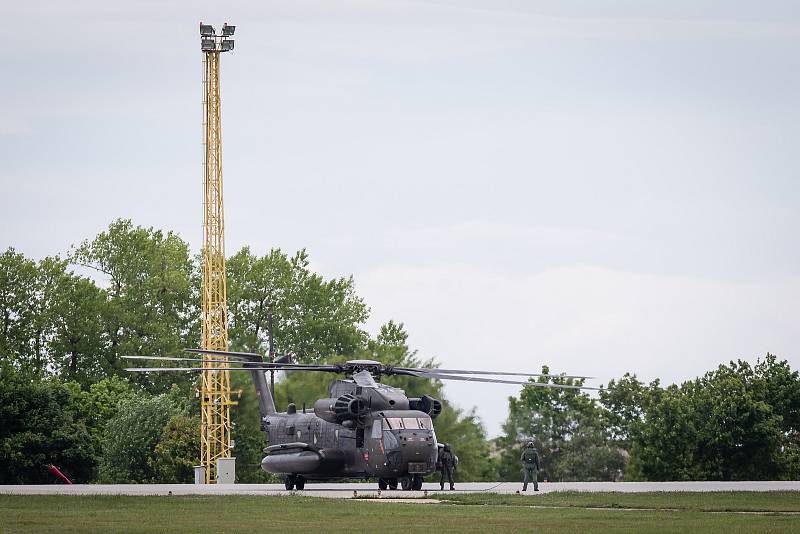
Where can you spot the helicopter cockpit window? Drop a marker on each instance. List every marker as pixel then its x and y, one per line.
pixel 393 423
pixel 411 422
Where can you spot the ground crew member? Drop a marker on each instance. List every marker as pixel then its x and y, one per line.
pixel 530 464
pixel 447 464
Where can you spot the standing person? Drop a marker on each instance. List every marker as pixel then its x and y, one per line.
pixel 530 464
pixel 447 462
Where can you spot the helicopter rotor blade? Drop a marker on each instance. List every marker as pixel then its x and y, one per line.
pixel 435 376
pixel 206 360
pixel 224 353
pixel 323 368
pixel 267 366
pixel 436 370
pixel 428 373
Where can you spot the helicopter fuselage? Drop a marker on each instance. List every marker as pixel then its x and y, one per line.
pixel 389 444
pixel 364 429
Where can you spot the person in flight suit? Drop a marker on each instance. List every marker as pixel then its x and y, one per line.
pixel 530 464
pixel 447 464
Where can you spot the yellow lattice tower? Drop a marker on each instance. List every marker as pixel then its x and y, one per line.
pixel 215 392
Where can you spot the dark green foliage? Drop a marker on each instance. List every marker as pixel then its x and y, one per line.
pixel 177 451
pixel 18 277
pixel 313 317
pixel 151 304
pixel 79 342
pixel 131 436
pixel 737 422
pixel 97 405
pixel 37 427
pixel 626 401
pixel 50 318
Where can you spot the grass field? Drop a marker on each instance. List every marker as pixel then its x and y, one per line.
pixel 680 512
pixel 723 501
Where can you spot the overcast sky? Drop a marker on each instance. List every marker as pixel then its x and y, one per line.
pixel 601 186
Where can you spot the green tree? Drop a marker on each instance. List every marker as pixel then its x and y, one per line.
pixel 18 287
pixel 313 317
pixel 51 318
pixel 78 347
pixel 38 427
pixel 131 436
pixel 734 423
pixel 177 451
pixel 626 402
pixel 97 404
pixel 151 303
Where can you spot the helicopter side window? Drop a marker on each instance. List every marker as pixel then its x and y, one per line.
pixel 376 429
pixel 390 441
pixel 425 423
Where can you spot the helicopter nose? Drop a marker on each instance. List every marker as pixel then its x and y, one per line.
pixel 417 445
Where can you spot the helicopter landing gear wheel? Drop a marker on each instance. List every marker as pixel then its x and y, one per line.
pixel 288 482
pixel 299 482
pixel 405 483
pixel 382 484
pixel 416 483
pixel 392 484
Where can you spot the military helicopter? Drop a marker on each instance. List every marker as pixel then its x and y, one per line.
pixel 363 429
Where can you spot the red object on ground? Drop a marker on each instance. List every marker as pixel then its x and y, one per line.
pixel 55 471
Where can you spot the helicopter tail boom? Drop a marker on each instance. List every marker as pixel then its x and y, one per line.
pixel 266 404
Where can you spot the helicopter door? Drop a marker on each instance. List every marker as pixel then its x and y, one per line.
pixel 376 442
pixel 377 429
pixel 317 433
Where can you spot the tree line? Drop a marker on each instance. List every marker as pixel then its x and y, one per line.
pixel 65 399
pixel 736 422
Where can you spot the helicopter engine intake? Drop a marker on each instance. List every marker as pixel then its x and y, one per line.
pixel 426 404
pixel 351 407
pixel 347 407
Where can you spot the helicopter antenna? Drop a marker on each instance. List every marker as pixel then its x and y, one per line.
pixel 271 353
